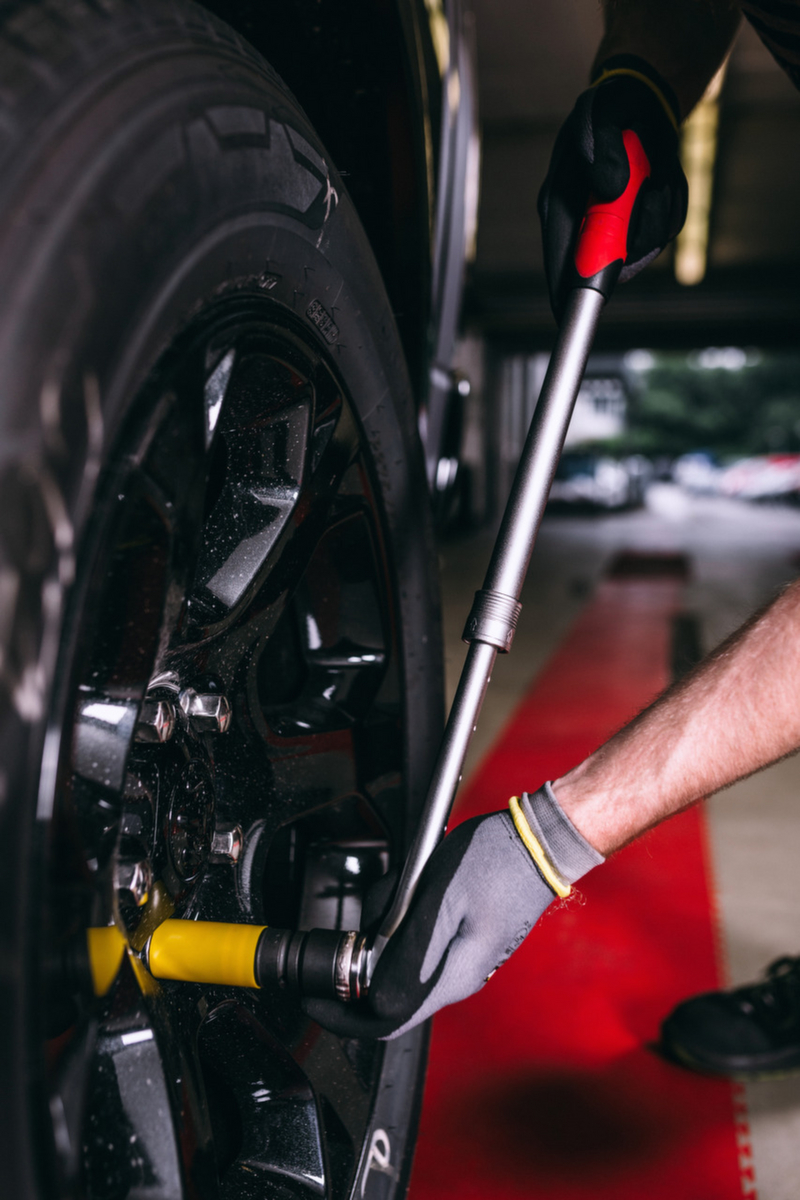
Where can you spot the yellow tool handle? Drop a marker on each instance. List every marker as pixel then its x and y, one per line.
pixel 205 952
pixel 327 963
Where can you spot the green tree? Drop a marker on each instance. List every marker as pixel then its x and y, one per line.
pixel 678 404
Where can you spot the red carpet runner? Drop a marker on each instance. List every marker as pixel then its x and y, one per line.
pixel 545 1083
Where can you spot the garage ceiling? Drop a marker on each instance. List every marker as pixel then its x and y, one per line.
pixel 533 59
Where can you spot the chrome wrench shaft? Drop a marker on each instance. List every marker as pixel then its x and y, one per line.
pixel 490 627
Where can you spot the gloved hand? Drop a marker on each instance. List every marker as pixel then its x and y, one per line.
pixel 480 894
pixel 589 159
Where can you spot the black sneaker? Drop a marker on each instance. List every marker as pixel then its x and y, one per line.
pixel 752 1032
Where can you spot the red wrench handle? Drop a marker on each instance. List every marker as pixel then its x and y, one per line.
pixel 603 236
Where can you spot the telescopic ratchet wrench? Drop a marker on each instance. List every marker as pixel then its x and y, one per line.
pixel 335 964
pixel 490 627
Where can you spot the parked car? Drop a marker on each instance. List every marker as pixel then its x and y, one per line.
pixel 599 481
pixel 220 662
pixel 762 477
pixel 698 472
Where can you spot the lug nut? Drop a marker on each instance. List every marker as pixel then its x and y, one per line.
pixel 206 712
pixel 226 844
pixel 134 877
pixel 156 721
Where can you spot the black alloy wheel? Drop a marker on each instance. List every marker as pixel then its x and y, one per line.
pixel 220 657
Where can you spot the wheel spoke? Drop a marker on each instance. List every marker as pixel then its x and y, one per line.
pixel 321 669
pixel 342 1076
pixel 146 1128
pixel 282 449
pixel 131 1137
pixel 70 1062
pixel 279 1134
pixel 259 443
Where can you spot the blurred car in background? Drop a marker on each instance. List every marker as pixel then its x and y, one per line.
pixel 762 477
pixel 697 472
pixel 593 480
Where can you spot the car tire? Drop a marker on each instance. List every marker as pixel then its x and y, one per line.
pixel 212 494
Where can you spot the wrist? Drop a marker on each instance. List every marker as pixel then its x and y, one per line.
pixel 548 833
pixel 632 66
pixel 585 807
pixel 685 41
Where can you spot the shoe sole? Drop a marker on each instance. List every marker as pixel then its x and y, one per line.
pixel 678 1054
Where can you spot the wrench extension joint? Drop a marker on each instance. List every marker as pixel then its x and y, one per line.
pixel 492 620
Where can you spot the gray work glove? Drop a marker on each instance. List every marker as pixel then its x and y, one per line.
pixel 480 895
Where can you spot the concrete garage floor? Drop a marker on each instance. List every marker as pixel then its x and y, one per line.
pixel 740 555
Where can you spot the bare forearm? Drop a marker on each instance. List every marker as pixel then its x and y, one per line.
pixel 685 40
pixel 738 712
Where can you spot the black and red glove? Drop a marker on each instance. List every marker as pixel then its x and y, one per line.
pixel 589 160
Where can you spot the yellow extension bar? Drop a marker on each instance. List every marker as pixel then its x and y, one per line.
pixel 191 951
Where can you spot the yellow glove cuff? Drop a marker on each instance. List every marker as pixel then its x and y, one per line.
pixel 654 88
pixel 532 844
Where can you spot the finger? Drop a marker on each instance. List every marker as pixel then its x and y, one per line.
pixel 348 1020
pixel 610 172
pixel 378 899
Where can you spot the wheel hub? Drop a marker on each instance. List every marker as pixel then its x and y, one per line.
pixel 190 824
